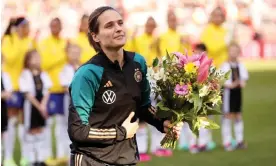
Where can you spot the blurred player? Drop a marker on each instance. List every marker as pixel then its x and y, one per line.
pixel 73 55
pixel 52 51
pixel 232 99
pixel 16 42
pixel 34 84
pixel 146 45
pixel 82 41
pixel 171 40
pixel 6 93
pixel 215 37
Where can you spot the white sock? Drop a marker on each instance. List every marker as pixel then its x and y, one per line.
pixel 193 139
pixel 226 131
pixel 22 138
pixel 209 136
pixel 209 132
pixel 184 136
pixel 203 137
pixel 142 139
pixel 30 147
pixel 40 146
pixel 156 137
pixel 48 139
pixel 238 128
pixel 9 139
pixel 65 135
pixel 59 133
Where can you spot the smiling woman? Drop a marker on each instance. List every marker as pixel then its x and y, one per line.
pixel 109 94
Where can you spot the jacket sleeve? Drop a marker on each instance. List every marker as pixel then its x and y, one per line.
pixel 83 88
pixel 147 111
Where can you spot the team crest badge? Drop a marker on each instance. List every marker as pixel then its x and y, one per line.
pixel 138 75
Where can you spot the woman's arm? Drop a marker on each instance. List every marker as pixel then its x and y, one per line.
pixel 82 91
pixel 147 111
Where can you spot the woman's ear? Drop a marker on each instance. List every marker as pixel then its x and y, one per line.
pixel 95 37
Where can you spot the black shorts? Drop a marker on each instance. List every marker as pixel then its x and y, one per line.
pixel 83 160
pixel 235 101
pixel 4 116
pixel 37 119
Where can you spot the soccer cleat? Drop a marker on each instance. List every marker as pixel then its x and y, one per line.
pixel 163 153
pixel 185 147
pixel 228 147
pixel 211 145
pixel 241 145
pixel 9 163
pixel 202 148
pixel 62 160
pixel 24 162
pixel 193 149
pixel 144 157
pixel 51 162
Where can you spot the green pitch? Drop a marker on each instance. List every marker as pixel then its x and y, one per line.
pixel 260 125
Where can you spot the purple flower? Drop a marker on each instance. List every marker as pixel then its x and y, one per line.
pixel 181 89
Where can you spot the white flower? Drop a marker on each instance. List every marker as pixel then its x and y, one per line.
pixel 160 75
pixel 216 100
pixel 203 122
pixel 150 74
pixel 203 91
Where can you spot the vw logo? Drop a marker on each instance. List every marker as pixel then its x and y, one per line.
pixel 109 97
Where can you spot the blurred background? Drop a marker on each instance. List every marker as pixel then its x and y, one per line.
pixel 253 23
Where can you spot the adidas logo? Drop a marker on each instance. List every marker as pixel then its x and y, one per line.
pixel 108 84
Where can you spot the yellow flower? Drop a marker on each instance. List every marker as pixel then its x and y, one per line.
pixel 190 67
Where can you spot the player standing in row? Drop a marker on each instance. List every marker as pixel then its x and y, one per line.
pixel 232 99
pixel 34 84
pixel 52 51
pixel 15 44
pixel 73 56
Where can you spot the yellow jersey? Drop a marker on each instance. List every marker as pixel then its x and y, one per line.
pixel 87 51
pixel 14 49
pixel 146 45
pixel 53 58
pixel 171 41
pixel 214 38
pixel 129 46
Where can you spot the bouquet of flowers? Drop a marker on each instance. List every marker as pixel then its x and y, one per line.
pixel 190 88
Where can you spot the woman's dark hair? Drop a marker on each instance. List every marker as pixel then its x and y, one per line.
pixel 201 46
pixel 11 24
pixel 14 22
pixel 93 25
pixel 28 57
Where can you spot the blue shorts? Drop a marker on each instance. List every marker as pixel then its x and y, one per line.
pixel 56 104
pixel 16 101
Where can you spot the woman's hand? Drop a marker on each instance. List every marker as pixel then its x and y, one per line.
pixel 176 129
pixel 131 128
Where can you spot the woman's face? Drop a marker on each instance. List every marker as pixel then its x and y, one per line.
pixel 217 16
pixel 35 60
pixel 234 52
pixel 55 27
pixel 84 25
pixel 172 21
pixel 73 54
pixel 24 29
pixel 111 32
pixel 150 26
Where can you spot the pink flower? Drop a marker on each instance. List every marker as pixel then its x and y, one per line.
pixel 203 70
pixel 181 89
pixel 183 59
